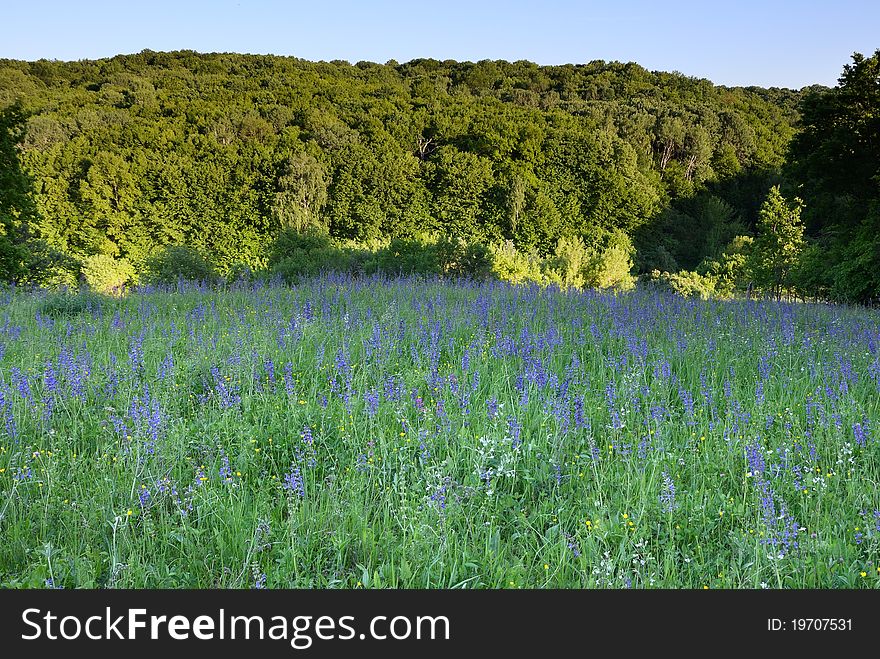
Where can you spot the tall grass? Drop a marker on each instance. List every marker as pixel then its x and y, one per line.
pixel 412 433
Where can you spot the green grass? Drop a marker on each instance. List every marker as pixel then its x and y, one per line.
pixel 400 497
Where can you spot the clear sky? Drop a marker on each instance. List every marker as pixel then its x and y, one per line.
pixel 782 43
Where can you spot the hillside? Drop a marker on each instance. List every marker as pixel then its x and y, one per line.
pixel 219 151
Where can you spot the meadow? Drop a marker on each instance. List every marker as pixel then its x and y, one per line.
pixel 415 433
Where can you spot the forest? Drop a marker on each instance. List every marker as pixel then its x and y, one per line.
pixel 148 167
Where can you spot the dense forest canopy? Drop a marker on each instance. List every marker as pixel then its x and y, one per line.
pixel 220 152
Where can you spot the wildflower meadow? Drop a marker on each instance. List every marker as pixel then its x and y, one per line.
pixel 416 433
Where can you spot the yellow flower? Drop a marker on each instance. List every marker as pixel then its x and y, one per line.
pixel 129 513
pixel 546 567
pixel 863 574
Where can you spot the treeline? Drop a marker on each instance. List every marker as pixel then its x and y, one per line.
pixel 601 164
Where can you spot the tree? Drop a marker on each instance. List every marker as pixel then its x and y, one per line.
pixel 838 150
pixel 779 242
pixel 302 193
pixel 836 159
pixel 218 152
pixel 17 210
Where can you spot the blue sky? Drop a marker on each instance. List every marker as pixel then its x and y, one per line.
pixel 770 43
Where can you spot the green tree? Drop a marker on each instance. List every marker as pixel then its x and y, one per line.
pixel 301 193
pixel 779 242
pixel 838 148
pixel 17 210
pixel 218 151
pixel 836 159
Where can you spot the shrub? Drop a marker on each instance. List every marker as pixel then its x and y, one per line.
pixel 684 282
pixel 178 262
pixel 240 272
pixel 567 265
pixel 459 258
pixel 729 271
pixel 407 257
pixel 290 243
pixel 296 254
pixel 48 267
pixel 610 267
pixel 510 265
pixel 302 263
pixel 106 275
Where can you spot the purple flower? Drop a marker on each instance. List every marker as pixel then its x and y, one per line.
pixel 515 429
pixel 287 376
pixel 23 473
pixel 439 495
pixel 226 392
pixel 492 408
pixel 21 383
pixel 859 434
pixel 166 367
pixel 144 496
pixel 225 469
pixel 293 482
pixel 136 353
pixel 269 368
pixel 755 458
pixel 6 411
pixel 50 378
pixel 572 545
pixel 667 495
pixel 372 399
pixel 200 477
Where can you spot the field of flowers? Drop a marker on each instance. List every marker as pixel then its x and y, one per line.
pixel 413 433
